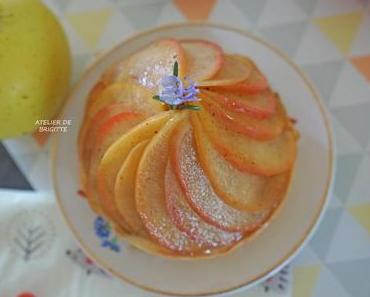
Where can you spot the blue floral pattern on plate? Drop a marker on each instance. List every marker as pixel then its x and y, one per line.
pixel 104 231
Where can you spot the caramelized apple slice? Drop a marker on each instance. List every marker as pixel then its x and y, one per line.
pixel 260 105
pixel 150 64
pixel 231 72
pixel 199 191
pixel 149 246
pixel 255 83
pixel 95 93
pixel 87 137
pixel 124 190
pixel 239 189
pixel 247 154
pixel 107 133
pixel 125 96
pixel 116 154
pixel 150 193
pixel 203 59
pixel 133 97
pixel 188 221
pixel 261 129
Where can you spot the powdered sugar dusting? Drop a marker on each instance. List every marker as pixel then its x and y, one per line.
pixel 150 196
pixel 152 74
pixel 203 198
pixel 189 221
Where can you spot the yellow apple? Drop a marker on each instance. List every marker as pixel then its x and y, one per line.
pixel 35 65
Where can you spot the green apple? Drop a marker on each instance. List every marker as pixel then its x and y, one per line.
pixel 35 65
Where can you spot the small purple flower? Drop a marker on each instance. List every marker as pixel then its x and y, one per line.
pixel 174 92
pixel 102 228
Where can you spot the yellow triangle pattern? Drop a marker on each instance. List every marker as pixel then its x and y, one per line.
pixel 362 214
pixel 305 278
pixel 90 25
pixel 340 29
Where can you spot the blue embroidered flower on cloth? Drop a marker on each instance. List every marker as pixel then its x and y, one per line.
pixel 103 231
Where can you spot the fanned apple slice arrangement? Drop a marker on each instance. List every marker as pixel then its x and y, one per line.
pixel 178 179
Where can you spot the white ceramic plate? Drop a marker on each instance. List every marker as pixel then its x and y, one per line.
pixel 252 262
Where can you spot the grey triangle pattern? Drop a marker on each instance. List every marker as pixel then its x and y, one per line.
pixel 325 76
pixel 287 37
pixel 10 175
pixel 321 241
pixel 342 249
pixel 328 285
pixel 61 5
pixel 356 120
pixel 79 65
pixel 143 18
pixel 307 5
pixel 346 169
pixel 125 3
pixel 353 276
pixel 251 8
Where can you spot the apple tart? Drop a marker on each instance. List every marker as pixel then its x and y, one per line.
pixel 185 149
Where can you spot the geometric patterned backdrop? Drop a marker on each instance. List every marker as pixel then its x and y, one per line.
pixel 329 39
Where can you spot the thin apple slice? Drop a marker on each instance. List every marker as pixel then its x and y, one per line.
pixel 133 96
pixel 231 73
pixel 247 154
pixel 255 83
pixel 199 191
pixel 150 64
pixel 188 221
pixel 149 246
pixel 239 189
pixel 152 247
pixel 261 129
pixel 260 105
pixel 124 189
pixel 116 154
pixel 150 193
pixel 108 132
pixel 124 96
pixel 95 93
pixel 203 58
pixel 87 137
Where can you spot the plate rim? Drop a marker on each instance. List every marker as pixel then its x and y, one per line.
pixel 301 242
